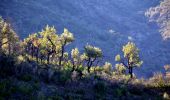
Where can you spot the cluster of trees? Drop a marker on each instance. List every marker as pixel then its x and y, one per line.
pixel 161 15
pixel 49 47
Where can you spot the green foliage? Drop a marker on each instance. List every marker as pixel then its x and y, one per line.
pixel 158 80
pixel 131 58
pixel 75 54
pixel 65 75
pixel 26 89
pixel 120 69
pixel 4 88
pixel 131 52
pixel 9 41
pixel 117 58
pixel 100 89
pixel 66 37
pixel 25 77
pixel 93 52
pixel 107 67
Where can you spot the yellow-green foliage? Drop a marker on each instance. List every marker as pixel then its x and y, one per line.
pixel 92 51
pixel 117 58
pixel 75 55
pixel 120 68
pixel 9 41
pixel 66 37
pixel 157 80
pixel 20 59
pixel 107 67
pixel 132 53
pixel 166 96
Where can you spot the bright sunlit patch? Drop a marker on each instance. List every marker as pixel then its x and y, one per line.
pixel 130 38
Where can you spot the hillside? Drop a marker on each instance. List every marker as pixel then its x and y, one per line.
pixel 108 25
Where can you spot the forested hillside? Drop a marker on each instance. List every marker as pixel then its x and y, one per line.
pixel 108 25
pixel 84 50
pixel 39 67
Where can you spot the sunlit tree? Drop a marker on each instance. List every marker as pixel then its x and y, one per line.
pixel 75 57
pixel 9 41
pixel 65 39
pixel 92 53
pixel 48 39
pixel 131 57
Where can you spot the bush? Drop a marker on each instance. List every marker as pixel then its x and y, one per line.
pixel 26 89
pixel 7 67
pixel 121 91
pixel 65 76
pixel 157 80
pixel 26 77
pixel 100 88
pixel 5 88
pixel 107 67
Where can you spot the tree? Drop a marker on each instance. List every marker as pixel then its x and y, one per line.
pixel 161 15
pixel 49 39
pixel 9 41
pixel 92 53
pixel 131 58
pixel 75 57
pixel 65 39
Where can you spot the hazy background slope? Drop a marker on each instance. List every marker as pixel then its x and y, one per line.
pixel 108 24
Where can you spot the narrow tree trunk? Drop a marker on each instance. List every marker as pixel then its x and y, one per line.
pixel 48 58
pixel 37 55
pixel 88 65
pixel 9 49
pixel 41 60
pixel 32 51
pixel 62 54
pixel 131 72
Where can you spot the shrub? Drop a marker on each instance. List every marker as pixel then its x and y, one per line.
pixel 107 67
pixel 7 67
pixel 100 88
pixel 26 77
pixel 65 77
pixel 4 88
pixel 157 80
pixel 26 89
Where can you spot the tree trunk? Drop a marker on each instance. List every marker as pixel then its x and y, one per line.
pixel 37 55
pixel 9 48
pixel 32 51
pixel 62 54
pixel 48 58
pixel 131 72
pixel 41 60
pixel 88 65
